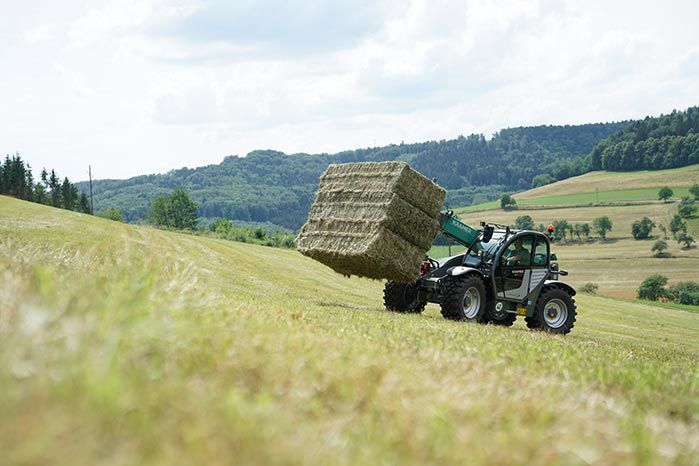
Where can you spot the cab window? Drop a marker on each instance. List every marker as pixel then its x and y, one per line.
pixel 541 253
pixel 519 253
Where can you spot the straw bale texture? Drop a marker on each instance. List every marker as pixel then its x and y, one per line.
pixel 374 220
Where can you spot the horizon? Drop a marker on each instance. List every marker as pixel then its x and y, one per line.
pixel 488 138
pixel 134 87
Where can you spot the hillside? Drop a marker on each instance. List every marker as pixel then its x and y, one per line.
pixel 130 345
pixel 620 264
pixel 270 186
pixel 667 141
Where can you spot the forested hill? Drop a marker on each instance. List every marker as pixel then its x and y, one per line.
pixel 270 186
pixel 667 141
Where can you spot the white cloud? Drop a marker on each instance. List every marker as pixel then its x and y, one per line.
pixel 137 86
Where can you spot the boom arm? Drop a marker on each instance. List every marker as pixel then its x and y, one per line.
pixel 456 229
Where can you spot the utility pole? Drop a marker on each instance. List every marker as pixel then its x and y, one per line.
pixel 92 205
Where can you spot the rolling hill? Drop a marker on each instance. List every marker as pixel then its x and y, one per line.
pixel 619 265
pixel 122 344
pixel 270 186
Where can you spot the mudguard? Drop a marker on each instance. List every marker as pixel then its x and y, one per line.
pixel 562 285
pixel 461 270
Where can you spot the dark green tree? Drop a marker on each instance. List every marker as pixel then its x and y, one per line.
pixel 686 239
pixel 659 247
pixel 69 194
pixel 653 288
pixel 176 211
pixel 84 204
pixel 602 226
pixel 642 229
pixel 694 191
pixel 686 209
pixel 560 228
pixel 677 226
pixel 585 230
pixel 40 195
pixel 665 193
pixel 524 222
pixel 55 190
pixel 507 201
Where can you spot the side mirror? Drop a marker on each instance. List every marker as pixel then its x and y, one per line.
pixel 488 233
pixel 553 256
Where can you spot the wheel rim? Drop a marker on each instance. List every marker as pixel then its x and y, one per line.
pixel 555 313
pixel 472 302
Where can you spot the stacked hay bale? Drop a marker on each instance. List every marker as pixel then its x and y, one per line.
pixel 373 219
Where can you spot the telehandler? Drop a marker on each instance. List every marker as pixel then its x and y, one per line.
pixel 502 274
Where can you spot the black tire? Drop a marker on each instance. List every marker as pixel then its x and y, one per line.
pixel 402 297
pixel 555 312
pixel 459 289
pixel 506 319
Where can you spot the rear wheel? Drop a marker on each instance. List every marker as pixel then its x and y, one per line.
pixel 464 299
pixel 555 312
pixel 402 297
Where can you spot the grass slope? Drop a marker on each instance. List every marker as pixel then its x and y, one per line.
pixel 619 265
pixel 129 345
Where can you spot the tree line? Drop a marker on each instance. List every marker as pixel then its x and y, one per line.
pixel 271 186
pixel 667 141
pixel 17 180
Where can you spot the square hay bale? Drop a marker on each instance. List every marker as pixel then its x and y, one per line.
pixel 374 220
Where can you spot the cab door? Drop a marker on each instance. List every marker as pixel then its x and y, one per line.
pixel 540 263
pixel 515 268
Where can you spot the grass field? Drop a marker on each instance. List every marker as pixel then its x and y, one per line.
pixel 620 264
pixel 604 187
pixel 126 345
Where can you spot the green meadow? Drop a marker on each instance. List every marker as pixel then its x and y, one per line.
pixel 124 345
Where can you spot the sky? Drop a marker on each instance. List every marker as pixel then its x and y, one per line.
pixel 133 87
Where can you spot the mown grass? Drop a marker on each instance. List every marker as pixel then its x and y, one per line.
pixel 604 187
pixel 128 345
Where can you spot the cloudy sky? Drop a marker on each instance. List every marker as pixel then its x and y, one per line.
pixel 145 86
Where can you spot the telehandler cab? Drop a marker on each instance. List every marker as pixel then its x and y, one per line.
pixel 503 273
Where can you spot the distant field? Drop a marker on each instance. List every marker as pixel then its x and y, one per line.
pixel 604 187
pixel 675 178
pixel 124 345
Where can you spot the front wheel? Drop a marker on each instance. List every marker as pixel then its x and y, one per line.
pixel 464 299
pixel 555 312
pixel 402 297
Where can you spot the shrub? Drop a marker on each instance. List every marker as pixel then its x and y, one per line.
pixel 694 191
pixel 653 288
pixel 112 214
pixel 542 179
pixel 589 288
pixel 685 293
